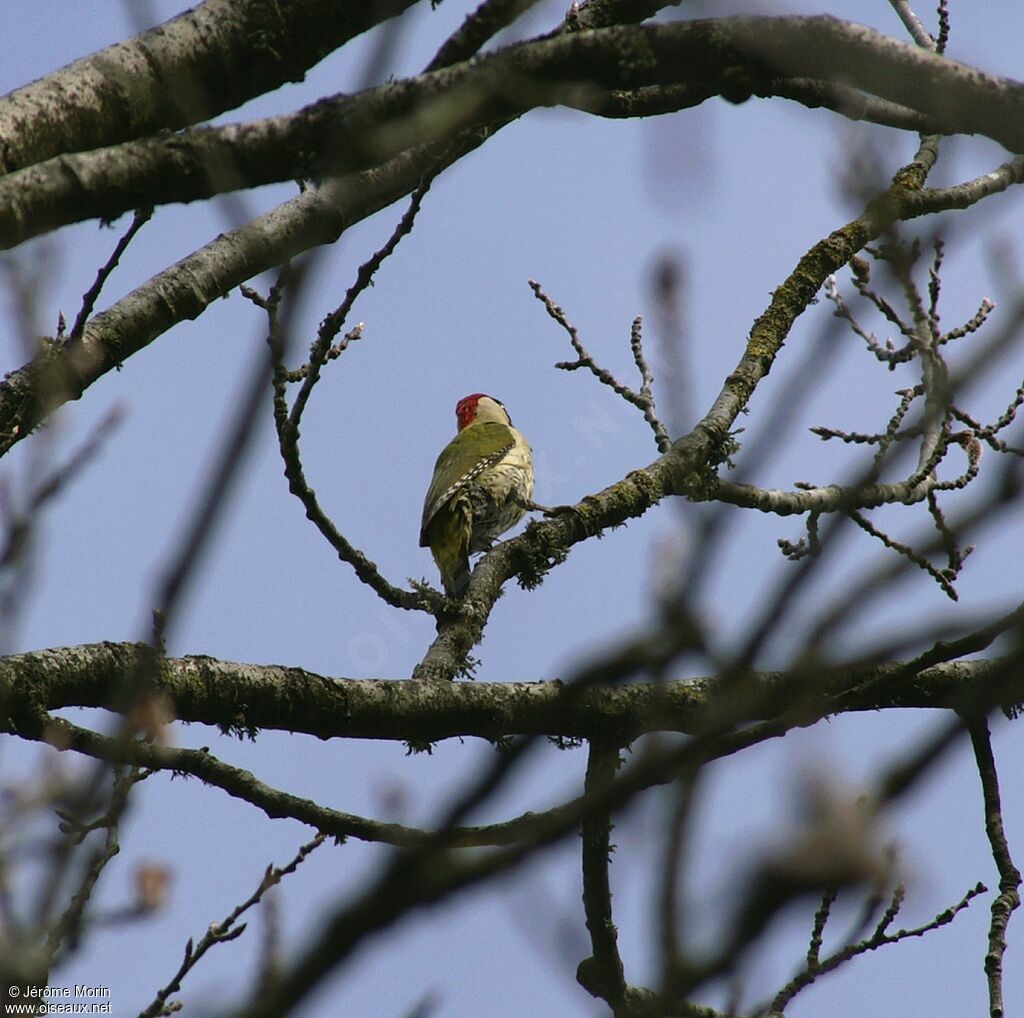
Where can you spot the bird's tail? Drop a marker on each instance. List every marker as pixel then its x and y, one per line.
pixel 448 535
pixel 457 579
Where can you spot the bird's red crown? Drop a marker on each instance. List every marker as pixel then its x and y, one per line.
pixel 465 409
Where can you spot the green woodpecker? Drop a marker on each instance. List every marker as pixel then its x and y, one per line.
pixel 482 481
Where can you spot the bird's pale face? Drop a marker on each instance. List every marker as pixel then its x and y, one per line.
pixel 480 407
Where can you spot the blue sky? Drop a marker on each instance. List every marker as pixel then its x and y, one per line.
pixel 585 207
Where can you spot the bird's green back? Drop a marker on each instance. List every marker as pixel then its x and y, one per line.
pixel 472 450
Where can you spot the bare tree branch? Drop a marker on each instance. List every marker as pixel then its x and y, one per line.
pixel 243 699
pixel 225 930
pixel 91 295
pixel 880 938
pixel 287 421
pixel 601 974
pixel 347 134
pixel 365 151
pixel 1008 899
pixel 642 400
pixel 202 62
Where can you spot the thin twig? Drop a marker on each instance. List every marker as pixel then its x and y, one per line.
pixel 821 917
pixel 913 24
pixel 225 930
pixel 89 298
pixel 287 421
pixel 479 26
pixel 642 400
pixel 636 344
pixel 940 576
pixel 320 351
pixel 17 525
pixel 64 933
pixel 880 938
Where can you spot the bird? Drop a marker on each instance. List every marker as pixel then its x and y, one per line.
pixel 482 486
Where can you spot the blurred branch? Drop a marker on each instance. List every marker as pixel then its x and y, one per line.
pixel 837 848
pixel 59 911
pixel 16 524
pixel 65 932
pixel 428 873
pixel 221 477
pixel 675 964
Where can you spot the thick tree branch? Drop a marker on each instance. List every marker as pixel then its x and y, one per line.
pixel 733 57
pixel 205 61
pixel 243 698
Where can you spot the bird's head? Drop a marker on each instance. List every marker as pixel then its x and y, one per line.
pixel 480 407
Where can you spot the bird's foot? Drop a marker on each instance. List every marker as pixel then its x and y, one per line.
pixel 548 510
